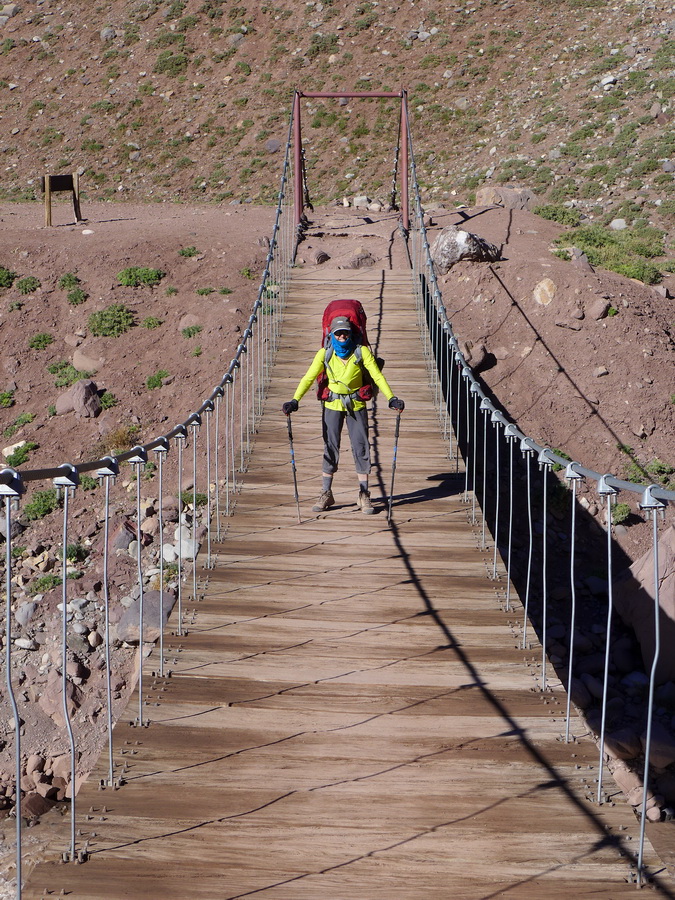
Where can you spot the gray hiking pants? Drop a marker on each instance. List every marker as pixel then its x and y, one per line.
pixel 357 426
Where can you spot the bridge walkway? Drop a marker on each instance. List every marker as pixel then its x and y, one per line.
pixel 350 715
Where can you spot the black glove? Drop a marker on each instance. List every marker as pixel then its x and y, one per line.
pixel 290 407
pixel 396 404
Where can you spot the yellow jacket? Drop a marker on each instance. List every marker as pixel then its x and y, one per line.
pixel 344 377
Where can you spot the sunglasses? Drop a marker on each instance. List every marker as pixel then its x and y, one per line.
pixel 342 334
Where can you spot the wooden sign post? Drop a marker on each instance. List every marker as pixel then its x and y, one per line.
pixel 51 183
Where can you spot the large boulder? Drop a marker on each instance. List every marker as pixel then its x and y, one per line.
pixel 453 244
pixel 634 601
pixel 508 197
pixel 82 399
pixel 127 629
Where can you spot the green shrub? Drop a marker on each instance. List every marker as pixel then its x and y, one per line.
pixel 44 583
pixel 171 291
pixel 620 513
pixel 560 214
pixel 24 419
pixel 6 399
pixel 68 281
pixel 135 276
pixel 191 331
pixel 15 305
pixel 224 290
pixel 74 552
pixel 6 277
pixel 170 63
pixel 28 285
pixel 77 296
pixel 321 44
pixel 155 381
pixel 41 504
pixel 196 352
pixel 620 251
pixel 87 483
pixel 151 322
pixel 108 400
pixel 40 341
pixel 188 251
pixel 204 292
pixel 66 373
pixel 112 321
pixel 187 497
pixel 51 410
pixel 21 454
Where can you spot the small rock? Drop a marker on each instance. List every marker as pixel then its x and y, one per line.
pixel 95 639
pixel 618 224
pixel 320 257
pixel 25 613
pixel 593 685
pixel 33 805
pixel 26 644
pixel 623 744
pixel 662 751
pixel 544 292
pixel 599 371
pixel 598 309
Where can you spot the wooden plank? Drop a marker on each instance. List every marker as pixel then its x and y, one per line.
pixel 350 714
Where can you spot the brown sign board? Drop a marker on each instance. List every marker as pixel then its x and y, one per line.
pixel 58 183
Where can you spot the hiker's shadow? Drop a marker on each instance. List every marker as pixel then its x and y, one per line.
pixel 443 484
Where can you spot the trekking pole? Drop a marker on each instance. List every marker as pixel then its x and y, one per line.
pixel 295 474
pixel 393 465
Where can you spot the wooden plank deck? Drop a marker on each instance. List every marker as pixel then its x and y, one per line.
pixel 350 716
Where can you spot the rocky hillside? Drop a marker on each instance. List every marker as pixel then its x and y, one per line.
pixel 189 99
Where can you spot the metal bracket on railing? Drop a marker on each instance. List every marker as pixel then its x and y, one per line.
pixel 474 388
pixel 109 469
pixel 11 483
pixel 485 405
pixel 604 488
pixel 650 503
pixel 139 456
pixel 70 477
pixel 162 445
pixel 180 432
pixel 510 432
pixel 207 406
pixel 497 417
pixel 527 445
pixel 544 458
pixel 194 421
pixel 571 473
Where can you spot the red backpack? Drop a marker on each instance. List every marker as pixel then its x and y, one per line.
pixel 354 311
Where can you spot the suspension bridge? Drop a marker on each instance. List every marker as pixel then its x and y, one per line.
pixel 341 706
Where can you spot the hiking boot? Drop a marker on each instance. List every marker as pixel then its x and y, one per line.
pixel 364 504
pixel 325 501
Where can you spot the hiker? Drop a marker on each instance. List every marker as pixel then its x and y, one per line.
pixel 343 360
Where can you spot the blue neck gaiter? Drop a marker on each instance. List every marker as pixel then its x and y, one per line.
pixel 343 349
